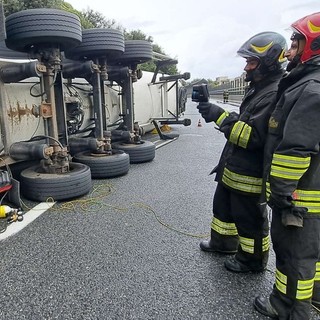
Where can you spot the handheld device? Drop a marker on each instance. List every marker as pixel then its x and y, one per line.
pixel 200 93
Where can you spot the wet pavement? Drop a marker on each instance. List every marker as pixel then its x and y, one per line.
pixel 130 249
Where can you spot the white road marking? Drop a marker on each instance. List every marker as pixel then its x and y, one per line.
pixel 28 217
pixel 161 143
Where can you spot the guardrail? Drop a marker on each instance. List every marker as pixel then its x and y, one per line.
pixel 233 98
pixel 235 95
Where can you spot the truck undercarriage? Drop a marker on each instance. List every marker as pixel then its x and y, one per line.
pixel 75 105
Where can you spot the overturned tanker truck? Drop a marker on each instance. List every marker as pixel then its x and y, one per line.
pixel 74 104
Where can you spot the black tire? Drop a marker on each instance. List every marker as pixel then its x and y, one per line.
pixel 135 52
pixel 41 27
pixel 98 43
pixel 39 186
pixel 10 54
pixel 139 152
pixel 105 166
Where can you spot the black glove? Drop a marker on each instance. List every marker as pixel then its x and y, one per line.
pixel 290 214
pixel 295 217
pixel 209 111
pixel 280 202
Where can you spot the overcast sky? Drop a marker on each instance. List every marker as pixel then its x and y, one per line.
pixel 204 35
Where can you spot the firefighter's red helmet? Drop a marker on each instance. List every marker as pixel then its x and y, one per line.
pixel 309 27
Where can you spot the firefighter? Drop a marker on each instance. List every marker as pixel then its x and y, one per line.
pixel 239 224
pixel 225 96
pixel 293 179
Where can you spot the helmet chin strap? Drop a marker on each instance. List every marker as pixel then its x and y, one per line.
pixel 295 61
pixel 254 75
pixel 249 76
pixel 297 58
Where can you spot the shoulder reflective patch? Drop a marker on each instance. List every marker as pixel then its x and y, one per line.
pixel 273 123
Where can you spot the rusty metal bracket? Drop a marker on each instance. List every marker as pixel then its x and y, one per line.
pixel 45 110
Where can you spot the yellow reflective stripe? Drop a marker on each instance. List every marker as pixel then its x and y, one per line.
pixel 304 289
pixel 307 195
pixel 281 276
pixel 221 118
pixel 266 243
pixel 281 281
pixel 240 134
pixel 309 199
pixel 268 191
pixel 286 173
pixel 289 167
pixel 245 136
pixel 242 178
pixel 224 228
pixel 291 161
pixel 247 244
pixel 241 187
pixel 317 276
pixel 241 182
pixel 236 131
pixel 312 207
pixel 281 287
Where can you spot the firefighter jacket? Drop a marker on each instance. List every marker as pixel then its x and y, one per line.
pixel 240 166
pixel 292 155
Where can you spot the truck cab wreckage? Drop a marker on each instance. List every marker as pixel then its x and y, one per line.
pixel 75 105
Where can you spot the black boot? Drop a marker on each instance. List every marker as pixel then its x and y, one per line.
pixel 220 244
pixel 235 265
pixel 207 245
pixel 264 306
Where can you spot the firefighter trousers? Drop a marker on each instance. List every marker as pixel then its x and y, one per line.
pixel 239 223
pixel 297 258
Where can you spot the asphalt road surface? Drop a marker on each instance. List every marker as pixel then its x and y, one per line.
pixel 130 249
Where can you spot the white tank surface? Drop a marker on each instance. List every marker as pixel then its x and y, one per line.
pixel 21 104
pixel 153 100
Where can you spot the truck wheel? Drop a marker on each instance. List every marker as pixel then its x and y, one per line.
pixel 39 186
pixel 10 54
pixel 105 166
pixel 135 52
pixel 143 151
pixel 96 43
pixel 29 28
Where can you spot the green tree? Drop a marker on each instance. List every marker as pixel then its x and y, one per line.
pixel 88 19
pixel 11 6
pixel 98 20
pixel 85 23
pixel 212 83
pixel 151 65
pixel 137 35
